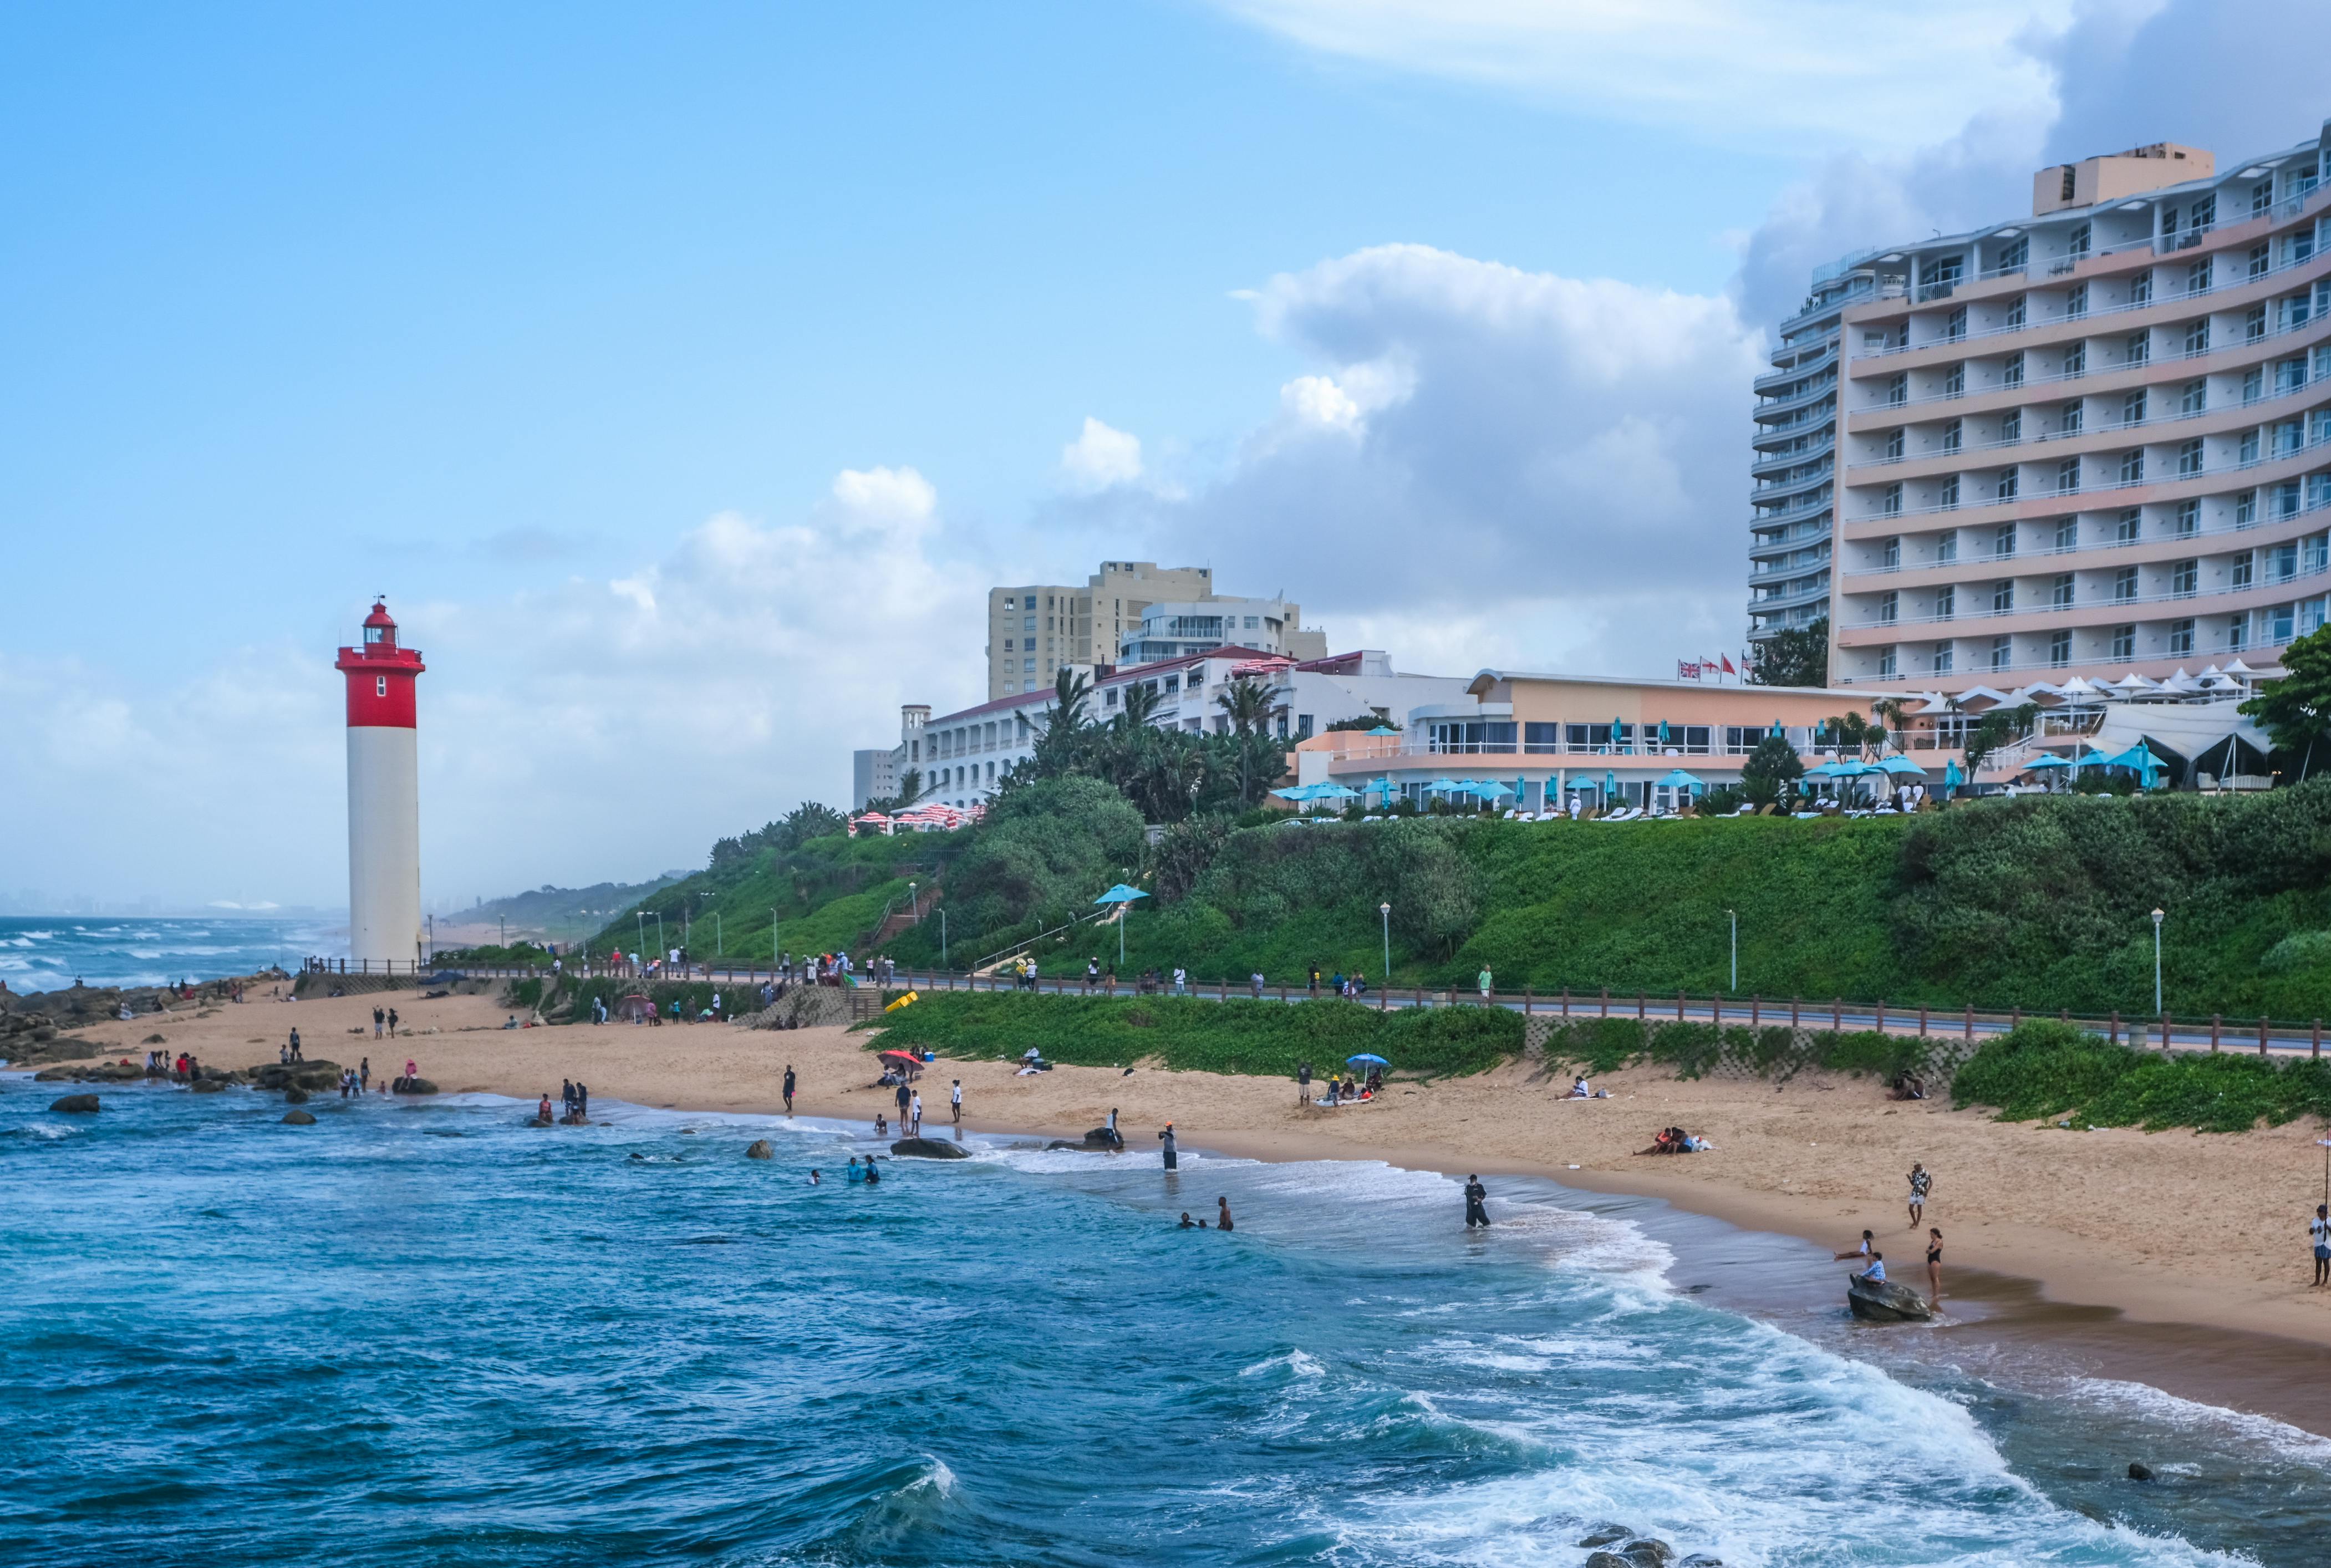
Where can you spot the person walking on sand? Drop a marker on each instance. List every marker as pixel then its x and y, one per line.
pixel 295 1043
pixel 1920 1181
pixel 2319 1229
pixel 1165 1142
pixel 376 1016
pixel 1868 1241
pixel 1476 1198
pixel 392 1023
pixel 1222 1220
pixel 1935 1267
pixel 954 1102
pixel 789 1088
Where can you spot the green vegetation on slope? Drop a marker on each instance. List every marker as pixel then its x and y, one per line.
pixel 1266 1038
pixel 2048 1069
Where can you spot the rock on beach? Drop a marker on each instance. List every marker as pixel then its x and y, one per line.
pixel 298 1119
pixel 759 1149
pixel 929 1149
pixel 76 1104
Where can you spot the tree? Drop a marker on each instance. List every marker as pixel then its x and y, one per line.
pixel 2296 710
pixel 1794 658
pixel 1064 745
pixel 1770 769
pixel 1999 727
pixel 1246 705
pixel 910 790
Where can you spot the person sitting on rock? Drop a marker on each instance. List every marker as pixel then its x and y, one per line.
pixel 1876 1272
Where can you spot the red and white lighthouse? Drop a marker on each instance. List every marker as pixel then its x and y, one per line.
pixel 384 796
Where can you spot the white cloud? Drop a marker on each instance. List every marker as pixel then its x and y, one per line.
pixel 1100 457
pixel 1821 72
pixel 584 730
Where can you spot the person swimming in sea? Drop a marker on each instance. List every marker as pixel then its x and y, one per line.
pixel 874 1176
pixel 1187 1223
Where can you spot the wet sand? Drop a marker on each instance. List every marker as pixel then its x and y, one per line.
pixel 2169 1259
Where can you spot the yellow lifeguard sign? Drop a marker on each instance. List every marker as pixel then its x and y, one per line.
pixel 901 1002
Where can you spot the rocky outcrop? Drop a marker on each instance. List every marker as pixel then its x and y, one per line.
pixel 295 1096
pixel 1884 1301
pixel 412 1086
pixel 1645 1552
pixel 207 1086
pixel 75 1105
pixel 315 1076
pixel 298 1119
pixel 97 1072
pixel 2139 1472
pixel 1606 1535
pixel 929 1149
pixel 759 1149
pixel 1606 1559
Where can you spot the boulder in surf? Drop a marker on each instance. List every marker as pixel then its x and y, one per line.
pixel 298 1119
pixel 929 1149
pixel 75 1105
pixel 1884 1301
pixel 759 1149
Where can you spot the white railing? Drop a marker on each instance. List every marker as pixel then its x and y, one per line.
pixel 2050 497
pixel 2046 436
pixel 2047 552
pixel 2054 378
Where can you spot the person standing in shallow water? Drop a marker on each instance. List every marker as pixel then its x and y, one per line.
pixel 1223 1219
pixel 789 1088
pixel 1935 1267
pixel 2318 1230
pixel 1477 1197
pixel 1165 1139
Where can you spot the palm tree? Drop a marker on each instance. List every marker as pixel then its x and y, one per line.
pixel 910 789
pixel 1247 704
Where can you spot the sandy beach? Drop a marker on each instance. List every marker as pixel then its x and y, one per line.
pixel 2166 1228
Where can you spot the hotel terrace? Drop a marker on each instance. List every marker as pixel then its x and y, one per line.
pixel 2087 442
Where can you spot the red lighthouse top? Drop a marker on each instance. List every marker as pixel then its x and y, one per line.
pixel 380 675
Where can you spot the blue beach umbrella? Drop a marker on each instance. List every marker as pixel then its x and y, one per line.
pixel 1370 1058
pixel 1121 894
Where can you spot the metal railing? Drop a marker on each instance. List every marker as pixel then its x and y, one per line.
pixel 2048 497
pixel 2062 378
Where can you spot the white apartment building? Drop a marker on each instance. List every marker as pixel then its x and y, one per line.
pixel 2092 440
pixel 1036 629
pixel 874 775
pixel 965 754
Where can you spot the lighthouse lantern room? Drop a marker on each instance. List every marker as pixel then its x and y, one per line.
pixel 383 797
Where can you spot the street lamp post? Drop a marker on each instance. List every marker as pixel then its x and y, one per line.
pixel 2157 963
pixel 913 905
pixel 640 920
pixel 1733 915
pixel 1384 912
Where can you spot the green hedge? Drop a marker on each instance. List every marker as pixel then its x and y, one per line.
pixel 1694 1050
pixel 2045 1069
pixel 1264 1037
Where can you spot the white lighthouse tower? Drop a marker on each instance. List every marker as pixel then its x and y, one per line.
pixel 384 796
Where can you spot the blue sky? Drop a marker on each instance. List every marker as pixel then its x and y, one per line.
pixel 705 363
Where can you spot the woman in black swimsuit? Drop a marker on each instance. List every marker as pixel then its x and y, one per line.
pixel 1935 1266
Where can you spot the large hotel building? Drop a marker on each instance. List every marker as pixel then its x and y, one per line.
pixel 2092 440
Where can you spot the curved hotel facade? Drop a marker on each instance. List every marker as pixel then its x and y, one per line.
pixel 2093 441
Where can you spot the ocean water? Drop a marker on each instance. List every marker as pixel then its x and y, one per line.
pixel 45 953
pixel 427 1334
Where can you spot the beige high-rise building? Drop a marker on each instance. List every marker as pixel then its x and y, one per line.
pixel 2091 441
pixel 1035 628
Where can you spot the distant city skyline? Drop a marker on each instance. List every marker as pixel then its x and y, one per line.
pixel 686 381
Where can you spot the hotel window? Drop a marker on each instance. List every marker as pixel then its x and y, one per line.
pixel 2002 652
pixel 2289 437
pixel 2002 539
pixel 1890 502
pixel 1028 623
pixel 1893 445
pixel 2139 349
pixel 2069 420
pixel 2261 260
pixel 2254 324
pixel 1541 737
pixel 2189 518
pixel 2205 214
pixel 2238 572
pixel 1955 381
pixel 2124 641
pixel 1898 391
pixel 2059 591
pixel 2011 425
pixel 2132 467
pixel 2124 585
pixel 2286 500
pixel 2282 562
pixel 1954 435
pixel 2125 527
pixel 1942 658
pixel 1946 599
pixel 2076 363
pixel 2197 278
pixel 2076 298
pixel 2282 617
pixel 2140 288
pixel 2184 578
pixel 2068 475
pixel 1007 645
pixel 2197 337
pixel 2003 596
pixel 2253 384
pixel 2195 398
pixel 1888 605
pixel 2181 637
pixel 2314 549
pixel 2249 446
pixel 1954 325
pixel 2311 615
pixel 1891 557
pixel 1887 668
pixel 2009 482
pixel 2132 407
pixel 1947 495
pixel 2059 648
pixel 2319 426
pixel 1947 548
pixel 2238 631
pixel 2189 457
pixel 1028 667
pixel 2067 533
pixel 2011 374
pixel 2015 254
